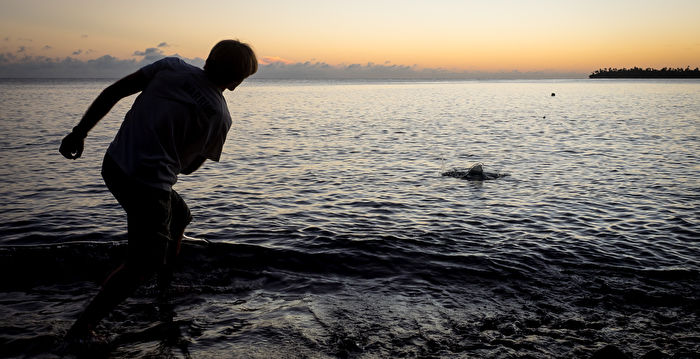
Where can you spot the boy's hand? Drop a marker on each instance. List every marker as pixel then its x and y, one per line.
pixel 72 146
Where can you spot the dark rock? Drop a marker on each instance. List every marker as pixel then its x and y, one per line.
pixel 473 173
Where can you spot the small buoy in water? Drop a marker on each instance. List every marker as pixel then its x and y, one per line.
pixel 553 94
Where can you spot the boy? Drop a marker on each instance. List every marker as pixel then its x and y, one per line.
pixel 179 120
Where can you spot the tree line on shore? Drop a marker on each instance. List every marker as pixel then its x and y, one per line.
pixel 637 72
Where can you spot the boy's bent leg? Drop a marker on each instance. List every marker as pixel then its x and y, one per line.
pixel 148 217
pixel 146 254
pixel 180 218
pixel 119 285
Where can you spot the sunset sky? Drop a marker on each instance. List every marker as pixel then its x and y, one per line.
pixel 494 35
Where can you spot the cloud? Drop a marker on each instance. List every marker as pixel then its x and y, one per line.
pixel 387 71
pixel 266 60
pixel 77 52
pixel 7 58
pixel 47 67
pixel 46 47
pixel 150 54
pixel 322 70
pixel 22 65
pixel 163 44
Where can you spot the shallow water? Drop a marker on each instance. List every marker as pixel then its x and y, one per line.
pixel 334 235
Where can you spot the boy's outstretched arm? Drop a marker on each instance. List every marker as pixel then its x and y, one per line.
pixel 72 144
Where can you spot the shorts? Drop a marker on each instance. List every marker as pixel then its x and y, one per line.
pixel 154 216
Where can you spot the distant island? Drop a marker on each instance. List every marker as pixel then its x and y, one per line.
pixel 648 73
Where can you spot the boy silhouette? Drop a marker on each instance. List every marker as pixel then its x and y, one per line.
pixel 179 120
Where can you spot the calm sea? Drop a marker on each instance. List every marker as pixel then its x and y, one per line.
pixel 333 233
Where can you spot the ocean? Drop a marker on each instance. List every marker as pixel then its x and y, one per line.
pixel 327 230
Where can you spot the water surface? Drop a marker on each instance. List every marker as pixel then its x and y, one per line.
pixel 334 235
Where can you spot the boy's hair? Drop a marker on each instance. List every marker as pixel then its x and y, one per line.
pixel 230 60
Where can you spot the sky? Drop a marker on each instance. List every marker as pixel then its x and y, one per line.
pixel 320 38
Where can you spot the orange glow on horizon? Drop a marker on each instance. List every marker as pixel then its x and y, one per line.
pixel 503 35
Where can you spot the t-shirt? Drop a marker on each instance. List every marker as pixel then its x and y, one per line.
pixel 179 116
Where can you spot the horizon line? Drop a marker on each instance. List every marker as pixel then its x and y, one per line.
pixel 109 67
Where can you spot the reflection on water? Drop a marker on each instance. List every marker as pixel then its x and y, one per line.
pixel 334 234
